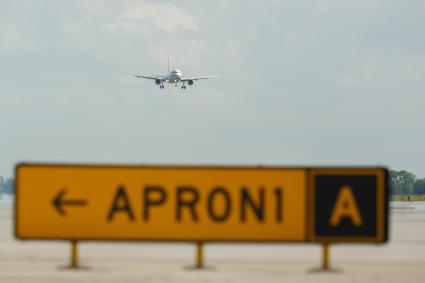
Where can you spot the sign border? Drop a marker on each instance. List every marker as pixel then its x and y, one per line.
pixel 308 237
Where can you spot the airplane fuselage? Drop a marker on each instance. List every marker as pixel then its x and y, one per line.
pixel 174 76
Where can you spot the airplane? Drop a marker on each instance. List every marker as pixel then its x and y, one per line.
pixel 174 77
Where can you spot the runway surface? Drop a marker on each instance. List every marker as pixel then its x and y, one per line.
pixel 401 260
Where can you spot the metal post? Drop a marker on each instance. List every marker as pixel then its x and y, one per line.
pixel 325 256
pixel 199 255
pixel 74 254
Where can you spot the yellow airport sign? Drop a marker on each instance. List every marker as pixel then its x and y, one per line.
pixel 181 203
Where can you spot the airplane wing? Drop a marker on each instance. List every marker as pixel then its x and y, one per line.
pixel 147 77
pixel 198 78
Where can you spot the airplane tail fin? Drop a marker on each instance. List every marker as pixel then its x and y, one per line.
pixel 169 70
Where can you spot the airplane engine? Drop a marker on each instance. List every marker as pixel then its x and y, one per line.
pixel 190 82
pixel 158 81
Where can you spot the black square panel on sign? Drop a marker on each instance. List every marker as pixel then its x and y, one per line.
pixel 362 193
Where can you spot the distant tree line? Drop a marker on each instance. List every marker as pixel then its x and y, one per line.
pixel 7 186
pixel 406 183
pixel 402 183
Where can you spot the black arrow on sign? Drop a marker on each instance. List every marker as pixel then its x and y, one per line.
pixel 59 202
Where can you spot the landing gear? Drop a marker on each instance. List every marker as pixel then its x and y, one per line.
pixel 183 87
pixel 161 87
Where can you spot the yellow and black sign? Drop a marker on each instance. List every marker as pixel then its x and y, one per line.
pixel 349 205
pixel 172 203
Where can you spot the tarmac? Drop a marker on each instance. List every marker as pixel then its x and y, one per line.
pixel 402 259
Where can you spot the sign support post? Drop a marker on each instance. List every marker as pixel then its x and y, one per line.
pixel 199 254
pixel 74 254
pixel 325 256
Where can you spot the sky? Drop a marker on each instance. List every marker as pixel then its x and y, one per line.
pixel 303 83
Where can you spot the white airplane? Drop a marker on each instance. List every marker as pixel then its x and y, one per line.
pixel 174 77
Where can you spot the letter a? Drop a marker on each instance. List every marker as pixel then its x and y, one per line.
pixel 121 203
pixel 346 206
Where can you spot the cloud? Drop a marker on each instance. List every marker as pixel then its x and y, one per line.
pixel 164 17
pixel 10 38
pixel 133 17
pixel 170 31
